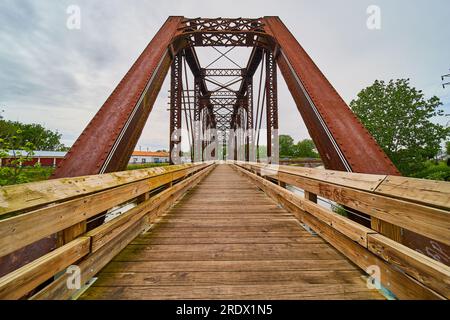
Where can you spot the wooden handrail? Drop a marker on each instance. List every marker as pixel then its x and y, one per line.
pixel 421 206
pixel 81 198
pixel 419 276
pixel 21 198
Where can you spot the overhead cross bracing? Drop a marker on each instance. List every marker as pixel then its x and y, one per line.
pixel 224 101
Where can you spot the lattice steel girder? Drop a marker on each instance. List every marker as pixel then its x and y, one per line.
pixel 249 138
pixel 223 32
pixel 176 89
pixel 223 93
pixel 343 142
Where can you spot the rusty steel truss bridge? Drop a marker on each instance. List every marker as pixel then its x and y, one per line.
pixel 235 228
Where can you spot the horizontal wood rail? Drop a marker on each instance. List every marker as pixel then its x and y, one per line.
pixel 33 211
pixel 421 206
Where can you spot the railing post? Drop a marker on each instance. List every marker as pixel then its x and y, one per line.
pixel 310 196
pixel 71 233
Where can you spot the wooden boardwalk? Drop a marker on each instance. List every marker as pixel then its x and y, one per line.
pixel 225 239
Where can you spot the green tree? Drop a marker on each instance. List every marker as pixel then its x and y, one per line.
pixel 286 145
pixel 12 172
pixel 398 116
pixel 447 147
pixel 40 137
pixel 305 149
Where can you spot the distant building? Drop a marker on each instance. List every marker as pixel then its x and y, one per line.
pixel 142 157
pixel 45 158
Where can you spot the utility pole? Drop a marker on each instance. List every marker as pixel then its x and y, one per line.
pixel 443 79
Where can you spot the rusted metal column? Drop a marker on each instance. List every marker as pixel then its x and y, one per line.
pixel 249 138
pixel 271 107
pixel 197 143
pixel 176 92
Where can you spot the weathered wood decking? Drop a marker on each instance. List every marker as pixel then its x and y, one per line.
pixel 226 239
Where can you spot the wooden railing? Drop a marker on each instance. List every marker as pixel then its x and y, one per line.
pixel 421 206
pixel 33 211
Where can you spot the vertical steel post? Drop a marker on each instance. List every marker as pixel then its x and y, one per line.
pixel 176 91
pixel 271 106
pixel 197 154
pixel 249 138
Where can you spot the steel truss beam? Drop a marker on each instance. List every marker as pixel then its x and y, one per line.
pixel 223 32
pixel 223 72
pixel 342 141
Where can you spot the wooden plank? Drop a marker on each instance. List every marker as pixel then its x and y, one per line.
pixel 210 239
pixel 234 292
pixel 231 228
pixel 26 196
pixel 140 253
pixel 230 266
pixel 428 271
pixel 21 281
pixel 428 192
pixel 195 278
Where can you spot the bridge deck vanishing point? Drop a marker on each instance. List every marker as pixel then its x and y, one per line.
pixel 226 239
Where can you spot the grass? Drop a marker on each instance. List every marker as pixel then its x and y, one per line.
pixel 33 174
pixel 28 174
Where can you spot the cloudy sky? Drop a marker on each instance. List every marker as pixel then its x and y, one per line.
pixel 60 77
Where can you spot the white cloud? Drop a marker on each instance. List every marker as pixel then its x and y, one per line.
pixel 52 75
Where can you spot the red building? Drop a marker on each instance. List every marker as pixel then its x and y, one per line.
pixel 45 158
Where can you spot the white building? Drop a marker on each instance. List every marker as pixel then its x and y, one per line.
pixel 142 157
